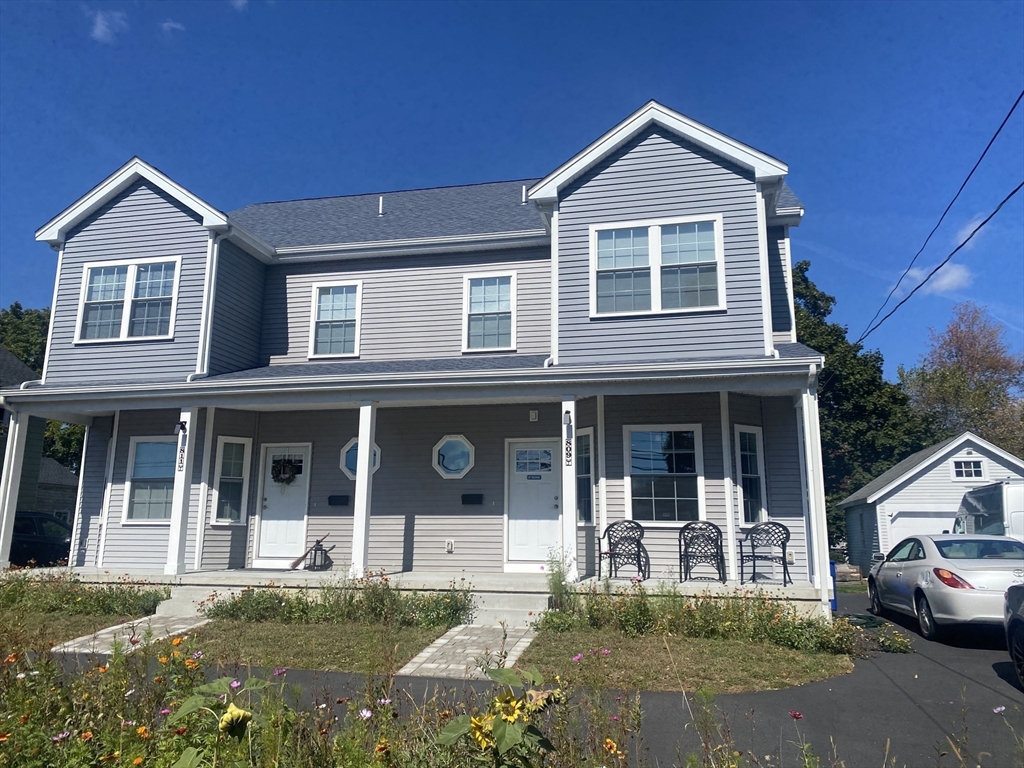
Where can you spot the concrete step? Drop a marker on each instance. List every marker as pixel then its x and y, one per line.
pixel 187 601
pixel 513 617
pixel 528 601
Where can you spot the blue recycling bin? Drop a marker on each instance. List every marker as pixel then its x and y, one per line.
pixel 833 603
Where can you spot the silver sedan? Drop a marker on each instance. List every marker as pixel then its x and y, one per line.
pixel 948 579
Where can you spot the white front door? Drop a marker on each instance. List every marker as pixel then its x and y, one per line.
pixel 534 484
pixel 282 535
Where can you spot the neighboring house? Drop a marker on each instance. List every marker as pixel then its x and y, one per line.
pixel 530 360
pixel 921 494
pixel 58 490
pixel 13 373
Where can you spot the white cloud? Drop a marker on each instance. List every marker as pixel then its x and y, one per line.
pixel 170 27
pixel 106 25
pixel 964 231
pixel 239 5
pixel 949 279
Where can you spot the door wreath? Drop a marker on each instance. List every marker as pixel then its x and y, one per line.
pixel 283 471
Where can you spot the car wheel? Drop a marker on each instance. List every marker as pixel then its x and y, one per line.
pixel 925 619
pixel 876 602
pixel 1017 653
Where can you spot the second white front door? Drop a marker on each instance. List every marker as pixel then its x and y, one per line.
pixel 534 484
pixel 282 536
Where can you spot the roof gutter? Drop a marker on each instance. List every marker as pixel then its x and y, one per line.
pixel 446 244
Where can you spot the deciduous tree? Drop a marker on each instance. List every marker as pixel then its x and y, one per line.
pixel 969 379
pixel 867 424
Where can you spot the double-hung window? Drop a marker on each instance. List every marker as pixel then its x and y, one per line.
pixel 334 330
pixel 664 468
pixel 150 482
pixel 490 313
pixel 231 484
pixel 128 300
pixel 663 265
pixel 750 467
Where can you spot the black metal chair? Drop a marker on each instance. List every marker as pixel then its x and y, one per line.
pixel 625 547
pixel 700 543
pixel 765 536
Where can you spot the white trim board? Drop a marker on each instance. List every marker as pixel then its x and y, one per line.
pixel 764 166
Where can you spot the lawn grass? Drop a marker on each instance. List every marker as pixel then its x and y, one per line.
pixel 340 647
pixel 659 663
pixel 39 631
pixel 852 587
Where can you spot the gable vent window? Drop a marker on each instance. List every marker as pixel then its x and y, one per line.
pixel 968 470
pixel 490 313
pixel 148 287
pixel 662 266
pixel 335 328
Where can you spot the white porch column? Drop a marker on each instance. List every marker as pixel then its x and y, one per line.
pixel 182 492
pixel 730 518
pixel 364 489
pixel 568 501
pixel 10 482
pixel 818 533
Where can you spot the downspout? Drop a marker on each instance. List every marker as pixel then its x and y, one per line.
pixel 210 290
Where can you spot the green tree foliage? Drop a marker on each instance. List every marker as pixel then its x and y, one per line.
pixel 867 423
pixel 968 379
pixel 23 332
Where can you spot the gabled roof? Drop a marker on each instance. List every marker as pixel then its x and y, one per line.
pixel 893 477
pixel 55 230
pixel 469 211
pixel 765 167
pixel 52 472
pixel 12 371
pixel 787 201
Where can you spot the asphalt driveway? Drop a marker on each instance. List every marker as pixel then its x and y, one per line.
pixel 912 701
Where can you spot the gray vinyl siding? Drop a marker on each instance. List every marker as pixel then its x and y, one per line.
pixel 224 546
pixel 659 175
pixel 141 222
pixel 138 545
pixel 235 331
pixel 85 547
pixel 412 307
pixel 778 282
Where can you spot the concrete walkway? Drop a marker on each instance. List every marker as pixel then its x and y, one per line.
pixel 459 652
pixel 146 629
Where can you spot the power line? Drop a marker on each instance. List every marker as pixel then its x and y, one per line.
pixel 943 216
pixel 943 263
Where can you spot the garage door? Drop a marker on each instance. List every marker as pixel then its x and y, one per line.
pixel 904 524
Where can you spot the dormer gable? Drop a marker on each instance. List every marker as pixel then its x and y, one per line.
pixel 765 168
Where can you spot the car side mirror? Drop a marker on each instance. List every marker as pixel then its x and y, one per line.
pixel 878 557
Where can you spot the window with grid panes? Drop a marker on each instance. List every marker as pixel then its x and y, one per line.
pixel 664 475
pixel 489 325
pixel 334 331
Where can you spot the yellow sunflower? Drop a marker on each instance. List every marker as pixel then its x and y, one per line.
pixel 480 729
pixel 508 706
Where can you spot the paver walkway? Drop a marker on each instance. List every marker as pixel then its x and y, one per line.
pixel 456 653
pixel 148 628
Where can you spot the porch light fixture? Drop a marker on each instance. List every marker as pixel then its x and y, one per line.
pixel 181 428
pixel 567 421
pixel 316 560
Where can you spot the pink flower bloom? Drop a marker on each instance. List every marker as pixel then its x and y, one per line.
pixel 235 685
pixel 999 710
pixel 615 718
pixel 795 715
pixel 384 701
pixel 279 671
pixel 578 658
pixel 165 712
pixel 605 652
pixel 365 714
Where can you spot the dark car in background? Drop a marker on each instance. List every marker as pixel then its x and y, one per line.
pixel 39 539
pixel 1013 620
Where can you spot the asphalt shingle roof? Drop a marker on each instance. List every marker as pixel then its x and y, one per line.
pixel 474 209
pixel 12 371
pixel 52 472
pixel 897 471
pixel 787 198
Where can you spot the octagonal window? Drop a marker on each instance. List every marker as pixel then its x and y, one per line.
pixel 454 456
pixel 350 454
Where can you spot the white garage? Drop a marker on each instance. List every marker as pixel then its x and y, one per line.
pixel 921 494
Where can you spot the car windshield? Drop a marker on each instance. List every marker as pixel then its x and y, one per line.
pixel 980 549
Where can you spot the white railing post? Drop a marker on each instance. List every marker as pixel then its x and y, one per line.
pixel 567 504
pixel 364 489
pixel 182 495
pixel 10 482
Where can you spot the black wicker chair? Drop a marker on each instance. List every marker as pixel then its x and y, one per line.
pixel 765 536
pixel 624 547
pixel 700 543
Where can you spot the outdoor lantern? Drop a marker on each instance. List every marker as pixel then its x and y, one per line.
pixel 316 560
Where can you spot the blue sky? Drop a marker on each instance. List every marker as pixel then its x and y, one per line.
pixel 879 110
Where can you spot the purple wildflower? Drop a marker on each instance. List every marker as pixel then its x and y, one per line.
pixel 999 710
pixel 127 723
pixel 279 671
pixel 605 652
pixel 165 712
pixel 615 718
pixel 365 714
pixel 197 655
pixel 578 658
pixel 60 736
pixel 235 685
pixel 384 701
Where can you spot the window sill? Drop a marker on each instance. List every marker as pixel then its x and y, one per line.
pixel 120 340
pixel 657 312
pixel 227 523
pixel 486 350
pixel 129 522
pixel 666 523
pixel 349 356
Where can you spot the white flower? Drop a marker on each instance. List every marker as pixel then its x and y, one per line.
pixel 20 675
